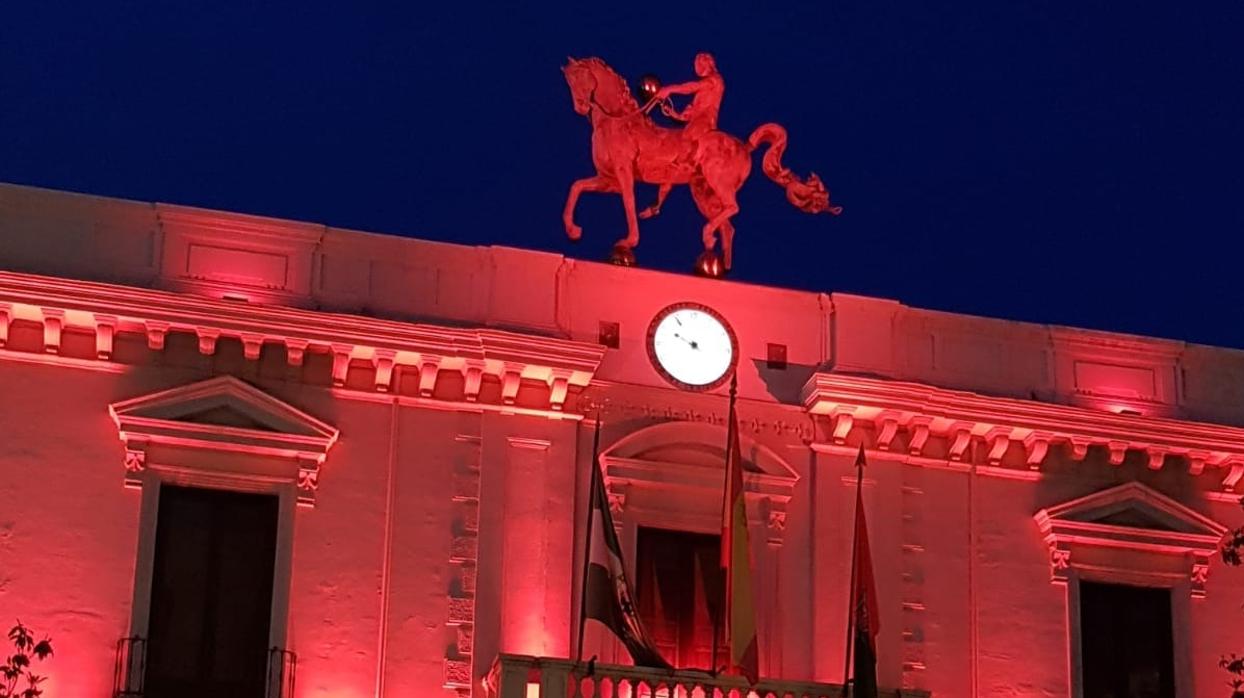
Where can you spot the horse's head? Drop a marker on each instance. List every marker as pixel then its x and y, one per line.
pixel 593 82
pixel 582 83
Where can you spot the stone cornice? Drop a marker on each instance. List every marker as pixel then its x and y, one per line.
pixel 998 424
pixel 427 349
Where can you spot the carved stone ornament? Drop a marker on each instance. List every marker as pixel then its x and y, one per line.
pixel 1200 573
pixel 628 147
pixel 169 420
pixel 1060 562
pixel 135 460
pixel 617 503
pixel 308 482
pixel 1162 527
pixel 135 464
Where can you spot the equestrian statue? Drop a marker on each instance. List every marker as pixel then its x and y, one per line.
pixel 629 147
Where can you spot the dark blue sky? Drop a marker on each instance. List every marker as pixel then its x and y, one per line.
pixel 1074 163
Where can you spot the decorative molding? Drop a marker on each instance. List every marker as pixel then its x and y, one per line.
pixel 775 523
pixel 843 420
pixel 252 346
pixel 637 473
pixel 135 463
pixel 617 502
pixel 223 414
pixel 887 430
pixel 341 364
pixel 1060 562
pixel 308 481
pixel 105 332
pixel 53 325
pixel 295 351
pixel 1176 530
pixel 999 440
pixel 156 333
pixel 384 370
pixel 922 411
pixel 429 371
pixel 513 359
pixel 1036 447
pixel 208 337
pixel 473 376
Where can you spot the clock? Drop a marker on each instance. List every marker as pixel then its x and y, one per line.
pixel 692 346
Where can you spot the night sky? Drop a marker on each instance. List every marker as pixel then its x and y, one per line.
pixel 1072 163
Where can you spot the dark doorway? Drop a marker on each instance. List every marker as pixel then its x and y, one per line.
pixel 211 594
pixel 679 590
pixel 1127 643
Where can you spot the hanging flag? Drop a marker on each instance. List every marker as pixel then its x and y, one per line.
pixel 736 561
pixel 608 595
pixel 863 602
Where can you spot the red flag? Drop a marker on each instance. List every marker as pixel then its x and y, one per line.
pixel 863 603
pixel 736 562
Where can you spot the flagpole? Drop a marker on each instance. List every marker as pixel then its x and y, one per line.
pixel 855 540
pixel 723 605
pixel 587 537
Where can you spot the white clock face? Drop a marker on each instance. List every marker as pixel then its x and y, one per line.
pixel 692 346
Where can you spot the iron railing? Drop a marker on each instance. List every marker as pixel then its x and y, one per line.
pixel 129 672
pixel 130 667
pixel 282 668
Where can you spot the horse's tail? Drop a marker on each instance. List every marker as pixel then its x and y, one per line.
pixel 809 196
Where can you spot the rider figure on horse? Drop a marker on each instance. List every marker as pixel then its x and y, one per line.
pixel 701 115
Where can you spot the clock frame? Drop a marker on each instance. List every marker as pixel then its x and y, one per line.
pixel 661 370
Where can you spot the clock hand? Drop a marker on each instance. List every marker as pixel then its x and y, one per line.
pixel 694 345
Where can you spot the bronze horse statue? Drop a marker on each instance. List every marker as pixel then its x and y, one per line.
pixel 628 146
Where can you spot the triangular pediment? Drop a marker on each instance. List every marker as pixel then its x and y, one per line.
pixel 1133 506
pixel 225 402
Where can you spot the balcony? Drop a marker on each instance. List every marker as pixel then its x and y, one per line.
pixel 130 671
pixel 516 676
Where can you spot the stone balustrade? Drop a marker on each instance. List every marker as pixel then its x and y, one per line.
pixel 517 676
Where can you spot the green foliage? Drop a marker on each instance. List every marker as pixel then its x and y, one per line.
pixel 16 678
pixel 1232 549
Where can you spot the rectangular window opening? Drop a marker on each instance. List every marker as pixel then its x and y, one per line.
pixel 1126 641
pixel 679 591
pixel 211 594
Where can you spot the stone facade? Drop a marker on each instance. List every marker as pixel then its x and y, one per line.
pixel 424 412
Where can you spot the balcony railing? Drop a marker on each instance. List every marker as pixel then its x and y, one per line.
pixel 130 667
pixel 282 667
pixel 130 670
pixel 517 676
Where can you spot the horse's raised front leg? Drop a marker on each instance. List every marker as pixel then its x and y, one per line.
pixel 626 186
pixel 597 183
pixel 654 209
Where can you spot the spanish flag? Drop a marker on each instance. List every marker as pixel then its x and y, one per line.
pixel 736 561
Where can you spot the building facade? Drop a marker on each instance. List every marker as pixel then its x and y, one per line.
pixel 239 447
